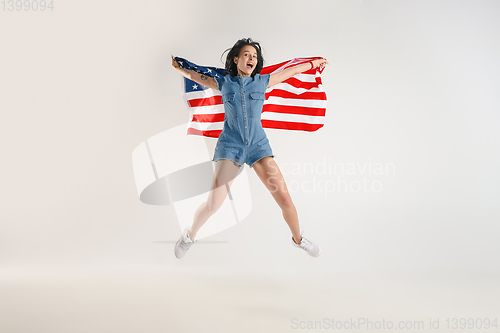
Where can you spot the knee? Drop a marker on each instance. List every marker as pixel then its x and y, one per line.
pixel 287 204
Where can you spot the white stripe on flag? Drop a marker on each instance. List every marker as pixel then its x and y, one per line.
pixel 288 87
pixel 209 109
pixel 202 94
pixel 310 103
pixel 305 77
pixel 206 126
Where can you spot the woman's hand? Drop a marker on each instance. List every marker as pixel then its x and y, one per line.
pixel 320 62
pixel 175 64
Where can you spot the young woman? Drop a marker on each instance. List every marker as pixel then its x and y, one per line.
pixel 243 139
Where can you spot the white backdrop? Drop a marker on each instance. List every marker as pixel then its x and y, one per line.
pixel 410 140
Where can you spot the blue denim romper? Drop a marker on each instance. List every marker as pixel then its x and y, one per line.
pixel 243 140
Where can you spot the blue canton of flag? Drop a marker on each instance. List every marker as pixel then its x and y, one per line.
pixel 208 71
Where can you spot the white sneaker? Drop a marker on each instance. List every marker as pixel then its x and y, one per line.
pixel 305 244
pixel 183 244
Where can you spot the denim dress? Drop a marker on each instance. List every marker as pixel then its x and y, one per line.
pixel 243 140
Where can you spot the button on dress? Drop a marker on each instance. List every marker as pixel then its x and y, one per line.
pixel 243 140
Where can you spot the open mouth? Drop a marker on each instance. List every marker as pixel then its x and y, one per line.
pixel 249 66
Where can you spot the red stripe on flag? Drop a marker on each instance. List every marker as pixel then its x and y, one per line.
pixel 211 133
pixel 272 68
pixel 288 125
pixel 301 84
pixel 320 112
pixel 208 118
pixel 207 101
pixel 306 95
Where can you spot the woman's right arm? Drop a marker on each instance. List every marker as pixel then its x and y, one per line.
pixel 204 80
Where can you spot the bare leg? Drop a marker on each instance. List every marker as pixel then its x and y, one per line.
pixel 270 174
pixel 225 171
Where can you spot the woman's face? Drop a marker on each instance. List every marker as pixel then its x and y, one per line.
pixel 246 61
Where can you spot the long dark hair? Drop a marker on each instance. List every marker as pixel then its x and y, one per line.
pixel 231 67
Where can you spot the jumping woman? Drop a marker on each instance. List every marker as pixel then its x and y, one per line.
pixel 243 139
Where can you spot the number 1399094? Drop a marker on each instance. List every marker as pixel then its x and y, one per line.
pixel 471 323
pixel 27 5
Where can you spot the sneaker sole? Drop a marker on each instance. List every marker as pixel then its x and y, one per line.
pixel 309 253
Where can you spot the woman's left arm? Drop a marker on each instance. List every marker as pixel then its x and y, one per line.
pixel 285 74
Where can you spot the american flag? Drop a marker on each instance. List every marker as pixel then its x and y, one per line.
pixel 298 103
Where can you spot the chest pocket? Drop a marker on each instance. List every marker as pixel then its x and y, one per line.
pixel 229 105
pixel 256 103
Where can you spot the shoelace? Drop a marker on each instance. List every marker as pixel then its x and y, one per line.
pixel 305 244
pixel 186 245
